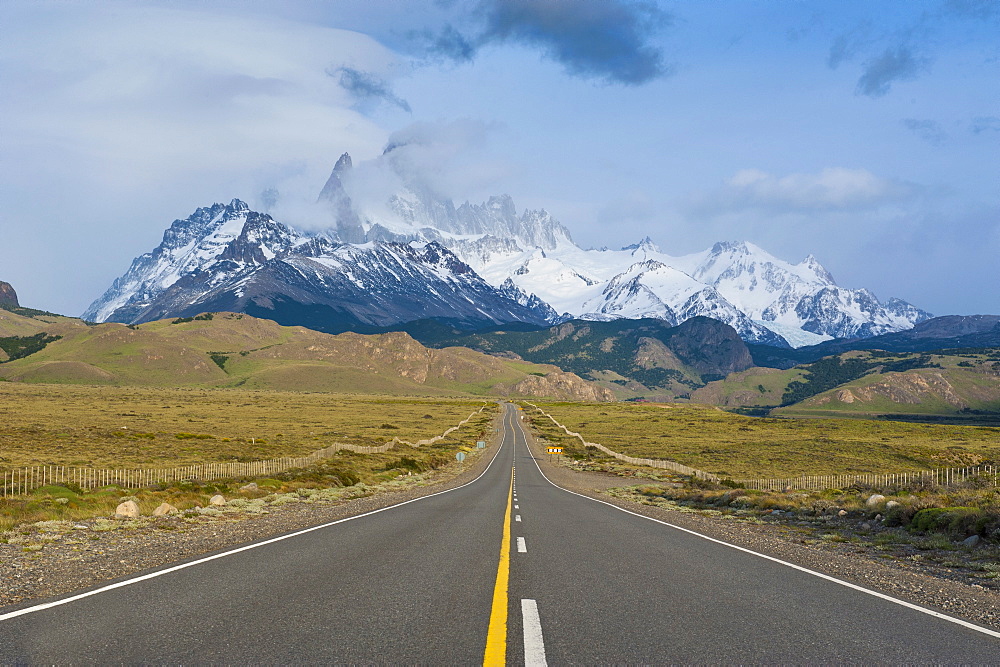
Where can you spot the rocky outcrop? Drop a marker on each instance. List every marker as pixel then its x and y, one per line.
pixel 560 385
pixel 8 297
pixel 902 388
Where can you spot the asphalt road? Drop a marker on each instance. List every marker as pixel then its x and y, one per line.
pixel 588 583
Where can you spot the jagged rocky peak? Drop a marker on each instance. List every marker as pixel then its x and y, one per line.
pixel 8 297
pixel 645 244
pixel 334 187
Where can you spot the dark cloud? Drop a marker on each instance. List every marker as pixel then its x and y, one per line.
pixel 985 124
pixel 607 40
pixel 367 86
pixel 928 130
pixel 447 44
pixel 894 64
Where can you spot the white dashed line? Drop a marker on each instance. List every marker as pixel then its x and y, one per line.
pixel 522 548
pixel 534 645
pixel 517 518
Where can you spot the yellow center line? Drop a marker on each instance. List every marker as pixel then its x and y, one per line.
pixel 496 636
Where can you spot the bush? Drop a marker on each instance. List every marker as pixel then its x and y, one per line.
pixel 955 521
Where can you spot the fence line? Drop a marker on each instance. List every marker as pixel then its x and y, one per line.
pixel 662 464
pixel 19 481
pixel 937 477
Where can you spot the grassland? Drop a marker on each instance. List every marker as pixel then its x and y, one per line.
pixel 148 428
pixel 132 427
pixel 741 447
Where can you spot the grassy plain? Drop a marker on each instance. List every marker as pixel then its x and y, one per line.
pixel 133 427
pixel 739 447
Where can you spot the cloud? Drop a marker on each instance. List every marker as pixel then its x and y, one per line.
pixel 985 124
pixel 605 40
pixel 441 159
pixel 446 44
pixel 121 117
pixel 367 86
pixel 832 189
pixel 894 64
pixel 928 130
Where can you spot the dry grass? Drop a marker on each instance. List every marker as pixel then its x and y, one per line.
pixel 347 474
pixel 741 447
pixel 132 427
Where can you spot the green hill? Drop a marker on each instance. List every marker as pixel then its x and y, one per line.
pixel 235 350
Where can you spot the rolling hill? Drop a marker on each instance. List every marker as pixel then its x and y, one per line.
pixel 237 350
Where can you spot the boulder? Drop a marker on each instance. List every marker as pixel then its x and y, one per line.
pixel 164 509
pixel 874 499
pixel 128 509
pixel 971 541
pixel 217 500
pixel 892 503
pixel 842 513
pixel 252 486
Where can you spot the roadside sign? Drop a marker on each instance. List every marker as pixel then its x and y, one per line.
pixel 555 450
pixel 480 444
pixel 460 456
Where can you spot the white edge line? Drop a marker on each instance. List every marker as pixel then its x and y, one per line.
pixel 534 644
pixel 862 589
pixel 175 568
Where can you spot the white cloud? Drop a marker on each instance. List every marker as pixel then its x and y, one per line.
pixel 122 117
pixel 832 189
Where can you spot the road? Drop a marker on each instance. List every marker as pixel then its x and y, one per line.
pixel 430 582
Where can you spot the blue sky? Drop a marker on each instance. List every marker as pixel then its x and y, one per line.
pixel 865 133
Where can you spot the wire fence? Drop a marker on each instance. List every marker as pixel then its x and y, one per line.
pixel 20 481
pixel 985 474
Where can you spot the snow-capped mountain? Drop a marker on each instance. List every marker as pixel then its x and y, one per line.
pixel 416 255
pixel 234 259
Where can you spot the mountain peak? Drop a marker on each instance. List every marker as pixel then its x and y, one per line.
pixel 733 247
pixel 645 244
pixel 238 205
pixel 343 164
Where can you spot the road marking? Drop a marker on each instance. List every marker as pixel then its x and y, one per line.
pixel 496 636
pixel 534 645
pixel 247 547
pixel 522 548
pixel 841 582
pixel 517 507
pixel 517 518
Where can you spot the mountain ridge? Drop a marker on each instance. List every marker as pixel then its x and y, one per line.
pixel 491 265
